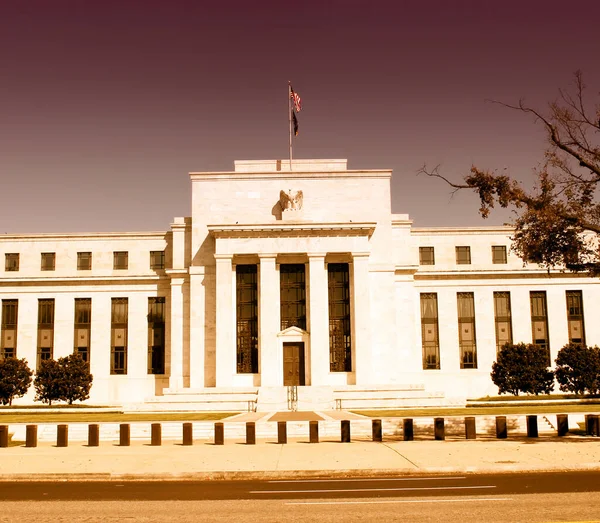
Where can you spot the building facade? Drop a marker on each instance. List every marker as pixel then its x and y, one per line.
pixel 286 288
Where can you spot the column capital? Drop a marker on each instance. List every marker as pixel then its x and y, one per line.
pixel 360 255
pixel 222 257
pixel 316 255
pixel 266 255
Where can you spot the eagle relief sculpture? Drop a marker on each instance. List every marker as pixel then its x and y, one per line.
pixel 291 200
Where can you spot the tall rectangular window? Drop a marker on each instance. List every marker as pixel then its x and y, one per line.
pixel 430 331
pixel 463 255
pixel 292 296
pixel 8 345
pixel 120 260
pixel 539 320
pixel 503 319
pixel 247 318
pixel 466 330
pixel 156 335
pixel 157 260
pixel 118 335
pixel 84 261
pixel 83 327
pixel 48 261
pixel 45 344
pixel 11 261
pixel 426 256
pixel 499 254
pixel 575 317
pixel 340 333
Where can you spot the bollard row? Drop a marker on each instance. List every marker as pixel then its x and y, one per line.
pixel 592 428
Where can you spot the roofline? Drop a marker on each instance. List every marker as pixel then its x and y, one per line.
pixel 84 235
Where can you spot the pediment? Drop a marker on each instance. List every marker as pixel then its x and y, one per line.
pixel 292 332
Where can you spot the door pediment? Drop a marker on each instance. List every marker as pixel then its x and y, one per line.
pixel 293 333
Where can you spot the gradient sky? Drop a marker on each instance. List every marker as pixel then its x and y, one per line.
pixel 106 105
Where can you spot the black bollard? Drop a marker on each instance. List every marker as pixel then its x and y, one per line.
pixel 124 435
pixel 31 436
pixel 219 434
pixel 439 430
pixel 470 428
pixel 345 425
pixel 532 426
pixel 155 434
pixel 3 435
pixel 408 429
pixel 93 435
pixel 62 436
pixel 377 430
pixel 250 433
pixel 313 429
pixel 593 425
pixel 188 434
pixel 281 432
pixel 562 422
pixel 501 430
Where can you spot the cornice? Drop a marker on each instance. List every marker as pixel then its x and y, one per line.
pixel 292 229
pixel 500 275
pixel 500 229
pixel 288 175
pixel 94 236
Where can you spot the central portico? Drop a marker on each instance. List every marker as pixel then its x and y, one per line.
pixel 275 296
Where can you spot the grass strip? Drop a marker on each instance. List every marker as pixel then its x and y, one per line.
pixel 479 411
pixel 109 417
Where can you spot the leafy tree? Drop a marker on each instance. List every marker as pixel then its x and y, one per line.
pixel 48 382
pixel 522 368
pixel 578 369
pixel 15 379
pixel 66 379
pixel 77 378
pixel 558 221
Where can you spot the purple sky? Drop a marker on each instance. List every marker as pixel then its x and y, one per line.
pixel 105 106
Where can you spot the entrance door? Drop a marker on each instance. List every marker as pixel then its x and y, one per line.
pixel 293 364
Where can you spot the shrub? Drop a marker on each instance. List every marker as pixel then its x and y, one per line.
pixel 48 382
pixel 77 378
pixel 66 379
pixel 578 369
pixel 15 379
pixel 522 368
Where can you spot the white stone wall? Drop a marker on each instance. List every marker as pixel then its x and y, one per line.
pixel 483 278
pixel 101 283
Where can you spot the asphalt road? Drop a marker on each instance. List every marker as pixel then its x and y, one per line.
pixel 527 498
pixel 293 489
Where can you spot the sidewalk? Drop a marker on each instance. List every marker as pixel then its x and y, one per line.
pixel 298 458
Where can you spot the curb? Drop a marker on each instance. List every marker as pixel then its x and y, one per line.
pixel 282 475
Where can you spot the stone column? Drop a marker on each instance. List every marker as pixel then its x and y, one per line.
pixel 176 341
pixel 197 326
pixel 361 318
pixel 318 309
pixel 269 322
pixel 225 321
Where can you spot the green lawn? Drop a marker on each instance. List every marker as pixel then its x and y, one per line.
pixel 108 417
pixel 480 411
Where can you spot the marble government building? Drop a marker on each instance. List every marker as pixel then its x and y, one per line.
pixel 286 288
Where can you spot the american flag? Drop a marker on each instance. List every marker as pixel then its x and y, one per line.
pixel 296 100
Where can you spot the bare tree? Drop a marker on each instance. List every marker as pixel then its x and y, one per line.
pixel 558 221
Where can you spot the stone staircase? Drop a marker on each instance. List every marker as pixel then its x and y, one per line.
pixel 265 399
pixel 389 397
pixel 216 399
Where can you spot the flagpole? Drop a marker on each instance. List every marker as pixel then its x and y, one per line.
pixel 290 118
